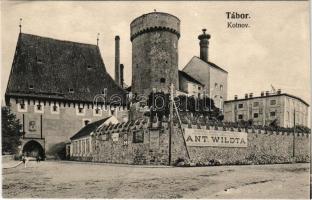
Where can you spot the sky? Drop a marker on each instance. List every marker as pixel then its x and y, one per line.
pixel 274 50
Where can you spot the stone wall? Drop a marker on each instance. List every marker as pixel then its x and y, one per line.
pixel 154 39
pixel 264 146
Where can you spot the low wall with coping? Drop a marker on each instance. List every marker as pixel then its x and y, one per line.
pixel 116 144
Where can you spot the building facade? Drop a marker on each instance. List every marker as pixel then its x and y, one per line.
pixel 189 85
pixel 213 77
pixel 283 108
pixel 57 87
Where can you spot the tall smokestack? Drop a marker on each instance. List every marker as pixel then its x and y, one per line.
pixel 204 43
pixel 117 59
pixel 121 75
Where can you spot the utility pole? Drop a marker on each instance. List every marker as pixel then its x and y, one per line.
pixel 170 120
pixel 294 133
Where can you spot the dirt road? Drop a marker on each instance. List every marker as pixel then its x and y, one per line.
pixel 85 180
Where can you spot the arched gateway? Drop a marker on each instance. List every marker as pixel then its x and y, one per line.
pixel 33 148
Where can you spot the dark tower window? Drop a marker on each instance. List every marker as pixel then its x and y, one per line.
pixel 31 87
pixel 163 80
pixel 39 107
pixel 71 90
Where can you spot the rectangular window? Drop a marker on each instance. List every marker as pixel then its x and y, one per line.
pixel 240 117
pixel 255 104
pixel 138 136
pixel 199 88
pixel 55 109
pixel 272 114
pixel 256 115
pixel 97 111
pixel 21 106
pixel 273 102
pixel 87 146
pixel 216 85
pixel 221 87
pixel 39 107
pixel 80 110
pixel 240 105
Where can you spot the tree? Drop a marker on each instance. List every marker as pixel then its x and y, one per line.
pixel 11 133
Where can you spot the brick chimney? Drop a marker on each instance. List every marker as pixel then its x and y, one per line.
pixel 203 44
pixel 117 59
pixel 121 75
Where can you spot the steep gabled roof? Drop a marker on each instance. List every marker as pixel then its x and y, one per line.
pixel 208 64
pixel 54 67
pixel 88 129
pixel 189 78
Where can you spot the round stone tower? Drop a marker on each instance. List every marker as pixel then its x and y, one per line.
pixel 154 38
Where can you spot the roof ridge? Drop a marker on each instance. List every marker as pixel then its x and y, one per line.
pixel 211 63
pixel 59 40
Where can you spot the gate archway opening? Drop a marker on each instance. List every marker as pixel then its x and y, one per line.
pixel 33 149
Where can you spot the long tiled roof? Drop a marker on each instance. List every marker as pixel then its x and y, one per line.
pixel 212 64
pixel 49 68
pixel 189 78
pixel 88 129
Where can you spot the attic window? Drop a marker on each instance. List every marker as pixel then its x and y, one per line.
pixel 90 67
pixel 71 90
pixel 39 60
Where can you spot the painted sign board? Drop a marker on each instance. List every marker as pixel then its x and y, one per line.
pixel 213 138
pixel 115 137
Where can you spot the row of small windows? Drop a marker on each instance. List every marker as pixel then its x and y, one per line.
pixel 22 107
pixel 256 115
pixel 256 104
pixel 221 86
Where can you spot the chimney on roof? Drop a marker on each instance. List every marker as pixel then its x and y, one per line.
pixel 117 60
pixel 250 95
pixel 203 44
pixel 279 91
pixel 262 93
pixel 235 97
pixel 267 93
pixel 121 75
pixel 246 96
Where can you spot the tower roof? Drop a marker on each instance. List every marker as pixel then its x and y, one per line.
pixel 49 68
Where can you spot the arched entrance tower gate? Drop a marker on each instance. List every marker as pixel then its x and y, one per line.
pixel 33 148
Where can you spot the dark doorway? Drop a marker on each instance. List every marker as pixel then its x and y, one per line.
pixel 33 149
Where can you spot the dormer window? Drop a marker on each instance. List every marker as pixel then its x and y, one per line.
pixel 39 60
pixel 90 67
pixel 71 90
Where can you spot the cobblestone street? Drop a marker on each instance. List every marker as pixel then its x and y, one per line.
pixel 51 179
